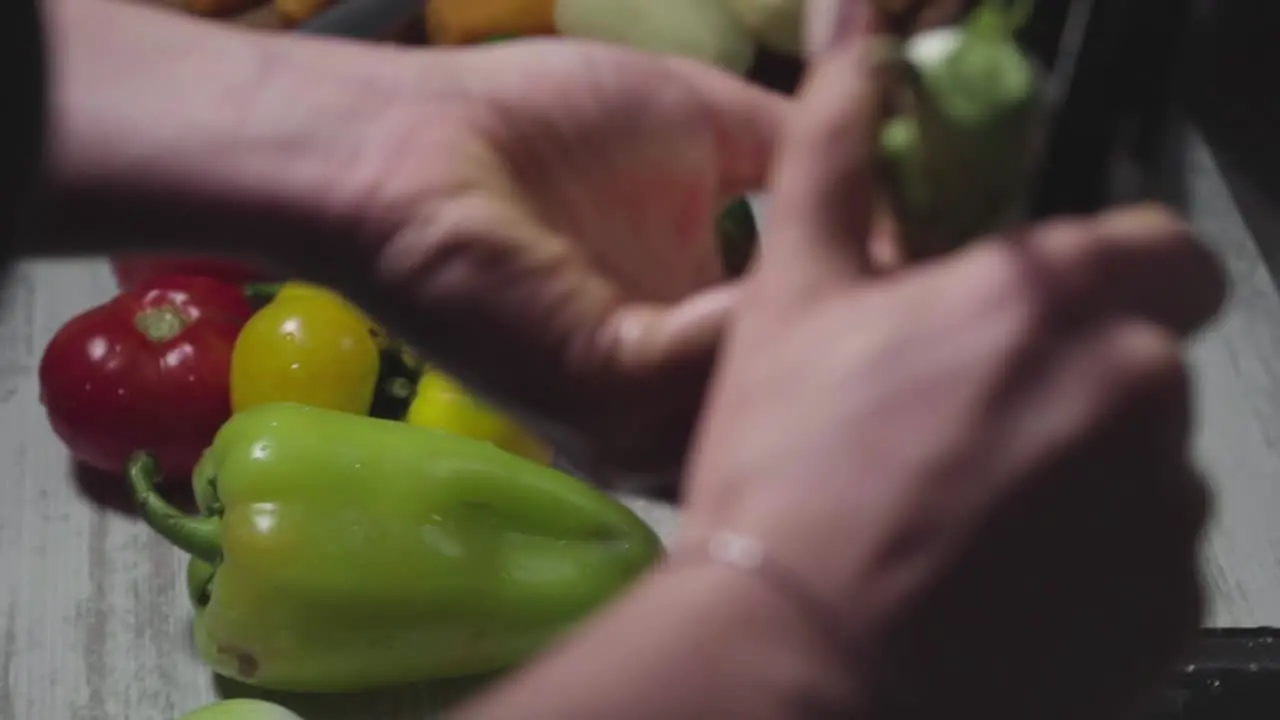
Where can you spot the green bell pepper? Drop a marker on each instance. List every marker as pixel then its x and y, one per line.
pixel 738 236
pixel 338 552
pixel 199 575
pixel 960 159
pixel 241 709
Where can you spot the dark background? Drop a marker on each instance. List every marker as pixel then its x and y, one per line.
pixel 1234 96
pixel 1148 67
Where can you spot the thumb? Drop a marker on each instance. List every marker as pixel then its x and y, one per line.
pixel 822 189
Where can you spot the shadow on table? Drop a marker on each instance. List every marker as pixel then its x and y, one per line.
pixel 111 492
pixel 426 700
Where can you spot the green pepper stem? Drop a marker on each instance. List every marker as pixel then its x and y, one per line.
pixel 1001 18
pixel 198 536
pixel 261 293
pixel 162 324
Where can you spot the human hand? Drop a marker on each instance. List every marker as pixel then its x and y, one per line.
pixel 979 462
pixel 546 234
pixel 537 216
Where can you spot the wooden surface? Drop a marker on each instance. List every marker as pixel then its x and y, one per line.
pixel 94 621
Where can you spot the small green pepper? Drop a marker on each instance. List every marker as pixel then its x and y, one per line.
pixel 738 236
pixel 399 370
pixel 241 709
pixel 339 552
pixel 961 156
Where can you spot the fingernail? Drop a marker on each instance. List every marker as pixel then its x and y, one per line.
pixel 1142 218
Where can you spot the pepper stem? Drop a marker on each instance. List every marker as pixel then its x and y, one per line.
pixel 160 324
pixel 1002 17
pixel 197 536
pixel 261 293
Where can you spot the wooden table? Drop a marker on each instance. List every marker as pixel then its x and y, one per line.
pixel 95 624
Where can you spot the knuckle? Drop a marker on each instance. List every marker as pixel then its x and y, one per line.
pixel 1076 245
pixel 463 250
pixel 1127 261
pixel 1049 271
pixel 1144 365
pixel 1075 258
pixel 1008 284
pixel 998 274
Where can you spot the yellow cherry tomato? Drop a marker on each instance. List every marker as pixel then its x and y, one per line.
pixel 300 288
pixel 308 345
pixel 444 404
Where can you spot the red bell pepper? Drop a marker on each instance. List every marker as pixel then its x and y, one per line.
pixel 147 370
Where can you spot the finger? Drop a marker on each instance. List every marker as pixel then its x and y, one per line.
pixel 643 336
pixel 1142 261
pixel 1125 375
pixel 748 121
pixel 826 21
pixel 821 201
pixel 665 351
pixel 1182 281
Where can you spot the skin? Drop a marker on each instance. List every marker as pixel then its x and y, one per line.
pixel 968 513
pixel 443 196
pixel 955 478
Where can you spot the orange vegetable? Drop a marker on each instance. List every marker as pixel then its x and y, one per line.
pixel 459 22
pixel 296 12
pixel 220 8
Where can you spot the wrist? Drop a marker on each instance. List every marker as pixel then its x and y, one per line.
pixel 717 642
pixel 820 562
pixel 175 134
pixel 748 613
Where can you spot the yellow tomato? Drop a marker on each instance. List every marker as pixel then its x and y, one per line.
pixel 308 345
pixel 443 404
pixel 303 289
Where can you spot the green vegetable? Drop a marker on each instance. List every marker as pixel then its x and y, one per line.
pixel 199 575
pixel 399 371
pixel 340 552
pixel 241 709
pixel 701 29
pixel 776 24
pixel 738 236
pixel 960 158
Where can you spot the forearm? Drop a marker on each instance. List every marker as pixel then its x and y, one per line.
pixel 174 133
pixel 695 642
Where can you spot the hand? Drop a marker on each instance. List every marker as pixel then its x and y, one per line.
pixel 550 238
pixel 981 461
pixel 537 215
